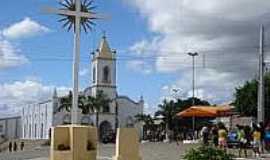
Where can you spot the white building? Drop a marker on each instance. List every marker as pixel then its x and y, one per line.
pixel 38 118
pixel 10 128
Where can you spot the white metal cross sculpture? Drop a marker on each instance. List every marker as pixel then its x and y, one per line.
pixel 78 14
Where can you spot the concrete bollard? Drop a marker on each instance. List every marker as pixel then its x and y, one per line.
pixel 74 142
pixel 127 144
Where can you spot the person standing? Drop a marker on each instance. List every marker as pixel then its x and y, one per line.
pixel 262 131
pixel 222 137
pixel 241 137
pixel 256 141
pixel 22 146
pixel 205 133
pixel 15 147
pixel 10 146
pixel 215 135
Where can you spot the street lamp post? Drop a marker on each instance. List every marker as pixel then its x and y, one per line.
pixel 193 87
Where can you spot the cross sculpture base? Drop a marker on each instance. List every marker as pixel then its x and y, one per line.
pixel 73 142
pixel 127 144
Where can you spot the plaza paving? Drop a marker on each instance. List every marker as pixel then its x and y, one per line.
pixel 149 151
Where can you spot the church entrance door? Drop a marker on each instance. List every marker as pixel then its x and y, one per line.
pixel 106 132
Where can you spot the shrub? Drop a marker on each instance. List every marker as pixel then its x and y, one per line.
pixel 207 153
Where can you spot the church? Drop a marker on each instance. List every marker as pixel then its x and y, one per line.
pixel 38 118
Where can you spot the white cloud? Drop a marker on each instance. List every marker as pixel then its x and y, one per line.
pixel 25 28
pixel 146 47
pixel 14 95
pixel 140 66
pixel 149 109
pixel 225 32
pixel 9 55
pixel 210 85
pixel 84 72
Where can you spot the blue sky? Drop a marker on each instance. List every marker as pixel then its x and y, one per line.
pixel 152 39
pixel 49 54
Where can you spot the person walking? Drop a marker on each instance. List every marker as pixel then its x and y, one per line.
pixel 256 141
pixel 241 137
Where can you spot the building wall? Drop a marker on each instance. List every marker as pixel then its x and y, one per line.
pixel 10 127
pixel 37 120
pixel 127 110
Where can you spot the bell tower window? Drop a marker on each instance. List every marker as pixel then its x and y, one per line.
pixel 106 74
pixel 94 75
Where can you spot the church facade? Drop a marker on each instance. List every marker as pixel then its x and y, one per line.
pixel 37 119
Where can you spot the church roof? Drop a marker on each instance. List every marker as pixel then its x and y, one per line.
pixel 104 49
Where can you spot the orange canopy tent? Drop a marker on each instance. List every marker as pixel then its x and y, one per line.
pixel 206 111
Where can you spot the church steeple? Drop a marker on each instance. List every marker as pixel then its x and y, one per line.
pixel 104 69
pixel 104 50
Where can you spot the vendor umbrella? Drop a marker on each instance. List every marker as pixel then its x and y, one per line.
pixel 205 111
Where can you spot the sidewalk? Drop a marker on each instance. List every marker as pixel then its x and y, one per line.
pixel 263 157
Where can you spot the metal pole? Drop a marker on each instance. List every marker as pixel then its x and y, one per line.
pixel 76 59
pixel 193 79
pixel 260 112
pixel 193 88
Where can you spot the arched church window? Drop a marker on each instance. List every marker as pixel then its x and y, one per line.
pixel 94 75
pixel 106 74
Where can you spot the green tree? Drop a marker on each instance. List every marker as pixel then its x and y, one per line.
pixel 99 103
pixel 66 103
pixel 169 109
pixel 147 120
pixel 246 98
pixel 87 104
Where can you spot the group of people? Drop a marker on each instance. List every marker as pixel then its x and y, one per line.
pixel 157 135
pixel 13 146
pixel 243 137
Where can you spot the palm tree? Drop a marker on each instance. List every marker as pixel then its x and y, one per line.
pixel 147 120
pixel 66 103
pixel 98 103
pixel 168 111
pixel 88 104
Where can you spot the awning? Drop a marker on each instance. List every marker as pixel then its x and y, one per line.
pixel 206 111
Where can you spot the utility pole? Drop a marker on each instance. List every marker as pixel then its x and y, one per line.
pixel 193 88
pixel 261 109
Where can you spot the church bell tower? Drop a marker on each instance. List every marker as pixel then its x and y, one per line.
pixel 104 70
